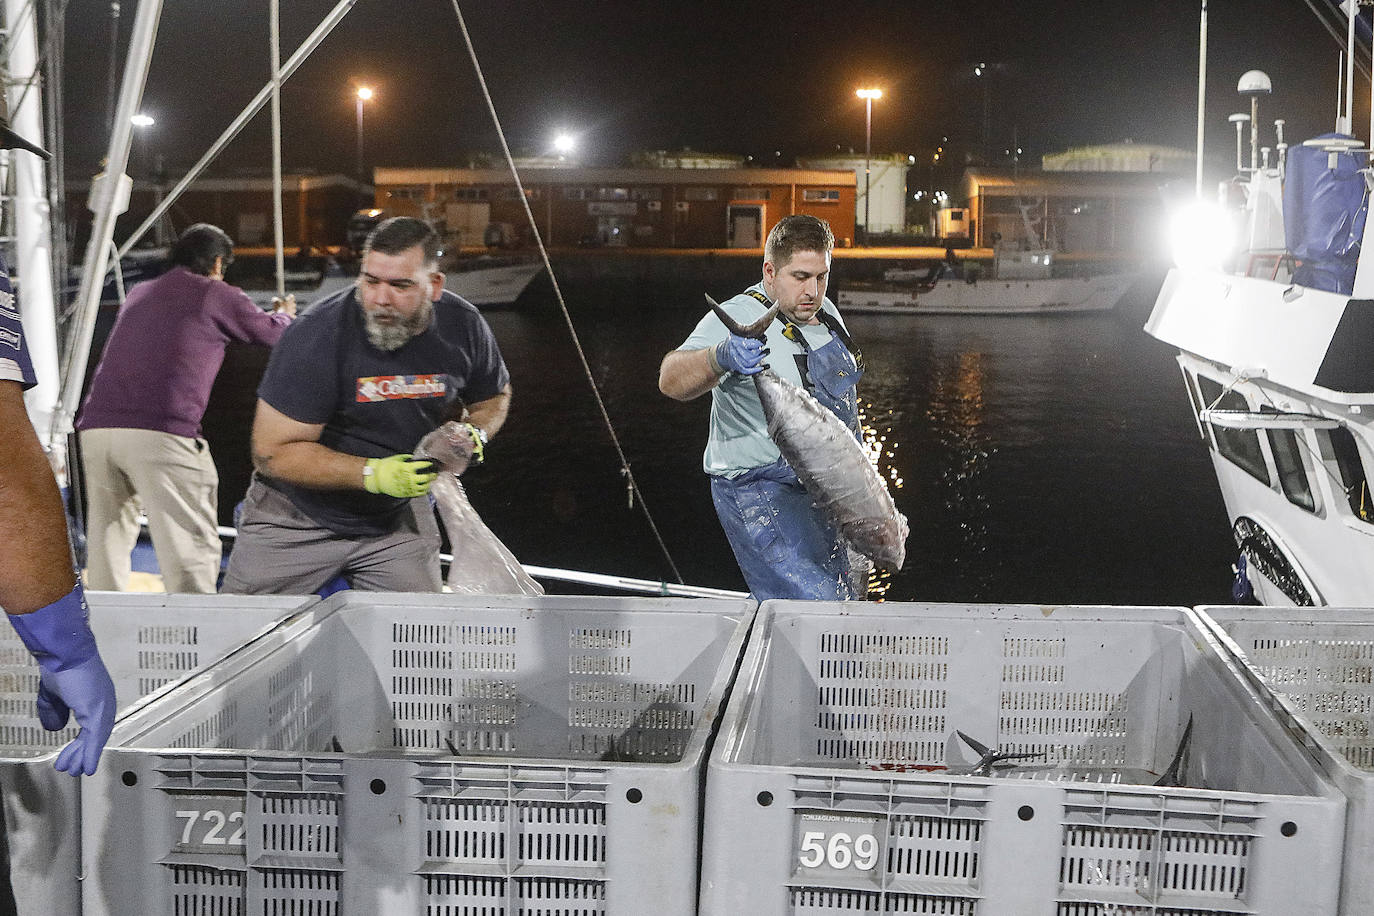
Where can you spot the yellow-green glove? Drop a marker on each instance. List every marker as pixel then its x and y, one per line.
pixel 402 476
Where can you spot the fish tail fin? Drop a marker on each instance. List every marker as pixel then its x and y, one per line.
pixel 755 330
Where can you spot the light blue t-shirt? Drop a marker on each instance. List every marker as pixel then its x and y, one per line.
pixel 738 438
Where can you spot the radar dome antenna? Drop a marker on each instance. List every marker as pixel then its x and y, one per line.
pixel 1254 83
pixel 1240 119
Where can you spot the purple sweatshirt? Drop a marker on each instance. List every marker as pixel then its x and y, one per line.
pixel 165 349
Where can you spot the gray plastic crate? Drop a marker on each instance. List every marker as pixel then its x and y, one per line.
pixel 1317 666
pixel 425 754
pixel 148 641
pixel 838 785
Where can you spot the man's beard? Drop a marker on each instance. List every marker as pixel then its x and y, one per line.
pixel 394 335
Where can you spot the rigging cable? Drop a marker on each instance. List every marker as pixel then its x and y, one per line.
pixel 1336 33
pixel 630 483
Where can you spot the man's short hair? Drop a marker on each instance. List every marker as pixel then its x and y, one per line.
pixel 401 233
pixel 798 232
pixel 197 248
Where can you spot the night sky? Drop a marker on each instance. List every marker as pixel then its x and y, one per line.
pixel 774 80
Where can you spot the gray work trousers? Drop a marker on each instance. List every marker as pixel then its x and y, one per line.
pixel 282 551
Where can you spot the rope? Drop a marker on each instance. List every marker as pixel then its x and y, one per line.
pixel 631 486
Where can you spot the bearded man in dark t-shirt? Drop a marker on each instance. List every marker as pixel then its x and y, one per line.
pixel 350 390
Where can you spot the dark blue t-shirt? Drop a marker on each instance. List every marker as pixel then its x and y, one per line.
pixel 373 403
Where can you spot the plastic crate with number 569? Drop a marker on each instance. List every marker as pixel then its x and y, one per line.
pixel 1008 761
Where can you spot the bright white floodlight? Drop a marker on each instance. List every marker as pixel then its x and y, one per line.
pixel 564 143
pixel 1201 236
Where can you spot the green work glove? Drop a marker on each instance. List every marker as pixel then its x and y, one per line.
pixel 402 476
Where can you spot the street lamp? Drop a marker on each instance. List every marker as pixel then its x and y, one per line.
pixel 142 121
pixel 364 94
pixel 981 72
pixel 868 95
pixel 563 144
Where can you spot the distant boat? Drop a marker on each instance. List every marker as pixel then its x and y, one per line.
pixel 486 281
pixel 1020 284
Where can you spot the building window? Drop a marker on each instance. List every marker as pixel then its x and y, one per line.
pixel 514 194
pixel 411 193
pixel 700 194
pixel 470 194
pixel 574 193
pixel 612 193
pixel 749 194
pixel 646 194
pixel 814 195
pixel 1239 446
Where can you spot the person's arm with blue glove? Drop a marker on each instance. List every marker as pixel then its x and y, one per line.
pixel 688 374
pixel 42 595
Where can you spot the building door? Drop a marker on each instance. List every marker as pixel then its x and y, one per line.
pixel 466 222
pixel 744 226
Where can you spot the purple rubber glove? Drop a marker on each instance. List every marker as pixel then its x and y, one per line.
pixel 73 678
pixel 741 354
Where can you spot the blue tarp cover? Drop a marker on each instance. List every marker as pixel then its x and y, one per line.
pixel 1323 215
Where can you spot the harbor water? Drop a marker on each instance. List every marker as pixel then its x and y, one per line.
pixel 1044 460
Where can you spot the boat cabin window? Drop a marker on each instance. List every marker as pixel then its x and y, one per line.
pixel 1292 474
pixel 1346 453
pixel 1239 446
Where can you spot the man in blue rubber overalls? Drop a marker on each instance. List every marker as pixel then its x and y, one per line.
pixel 783 543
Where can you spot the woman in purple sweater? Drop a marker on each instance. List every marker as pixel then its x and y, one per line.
pixel 140 434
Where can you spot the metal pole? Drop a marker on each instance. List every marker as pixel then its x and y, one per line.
pixel 107 202
pixel 1201 92
pixel 112 84
pixel 275 15
pixel 295 60
pixel 1352 9
pixel 868 153
pixel 32 215
pixel 360 137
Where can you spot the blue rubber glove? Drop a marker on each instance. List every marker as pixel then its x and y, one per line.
pixel 741 354
pixel 73 679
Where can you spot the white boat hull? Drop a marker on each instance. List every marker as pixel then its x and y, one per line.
pixel 1282 349
pixel 488 287
pixel 992 297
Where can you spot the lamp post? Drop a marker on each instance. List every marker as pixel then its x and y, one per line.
pixel 142 122
pixel 981 72
pixel 868 95
pixel 564 144
pixel 363 94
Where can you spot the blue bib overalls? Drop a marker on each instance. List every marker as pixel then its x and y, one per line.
pixel 783 543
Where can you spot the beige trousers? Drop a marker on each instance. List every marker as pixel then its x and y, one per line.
pixel 174 479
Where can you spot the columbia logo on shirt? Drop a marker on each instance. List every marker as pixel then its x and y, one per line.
pixel 393 387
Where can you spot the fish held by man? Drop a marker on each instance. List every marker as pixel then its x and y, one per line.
pixel 482 565
pixel 828 460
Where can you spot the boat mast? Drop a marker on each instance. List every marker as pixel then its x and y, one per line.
pixel 1352 9
pixel 109 198
pixel 32 218
pixel 1201 92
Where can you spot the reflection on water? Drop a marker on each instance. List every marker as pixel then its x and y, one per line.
pixel 956 416
pixel 1040 460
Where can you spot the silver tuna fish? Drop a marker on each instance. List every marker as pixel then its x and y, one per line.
pixel 482 565
pixel 828 460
